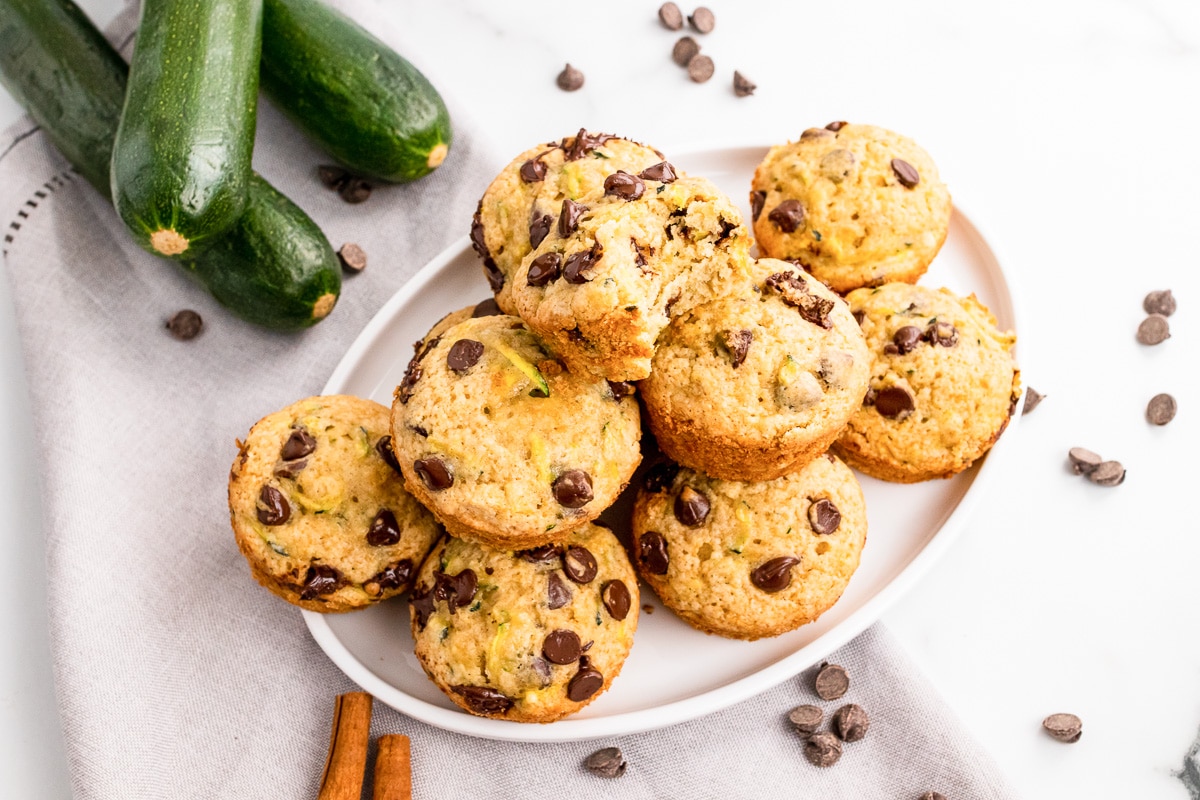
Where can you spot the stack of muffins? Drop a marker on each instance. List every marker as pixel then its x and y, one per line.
pixel 617 277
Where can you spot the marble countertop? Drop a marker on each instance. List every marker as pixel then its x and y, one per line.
pixel 1070 130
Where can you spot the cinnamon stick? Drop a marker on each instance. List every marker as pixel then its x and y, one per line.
pixel 347 762
pixel 393 768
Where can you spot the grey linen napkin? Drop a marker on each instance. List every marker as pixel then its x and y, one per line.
pixel 177 675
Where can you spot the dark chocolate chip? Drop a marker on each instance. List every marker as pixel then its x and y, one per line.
pixel 700 68
pixel 831 682
pixel 463 355
pixel 320 579
pixel 894 402
pixel 272 507
pixel 823 749
pixel 836 126
pixel 573 488
pixel 850 722
pixel 738 344
pixel 583 144
pixel 558 594
pixel 788 216
pixel 621 389
pixel 568 218
pixel 579 564
pixel 486 308
pixel 1160 302
pixel 652 552
pixel 533 170
pixel 393 576
pixel 684 50
pixel 298 445
pixel 859 316
pixel 355 190
pixel 421 603
pixel 1064 727
pixel 941 333
pixel 1154 330
pixel 743 86
pixel 1161 409
pixel 756 204
pixel 579 265
pixel 623 185
pixel 185 324
pixel 774 575
pixel 539 229
pixel 1107 473
pixel 435 472
pixel 608 762
pixel 585 683
pixel 616 598
pixel 702 20
pixel 384 529
pixel 906 339
pixel 661 477
pixel 1032 398
pixel 539 555
pixel 352 258
pixel 795 292
pixel 384 448
pixel 332 176
pixel 541 669
pixel 1083 461
pixel 672 18
pixel 478 240
pixel 570 79
pixel 456 590
pixel 495 277
pixel 691 507
pixel 662 172
pixel 544 269
pixel 815 133
pixel 824 517
pixel 906 173
pixel 806 719
pixel 562 647
pixel 290 469
pixel 482 699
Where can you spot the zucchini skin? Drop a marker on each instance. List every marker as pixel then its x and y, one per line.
pixel 358 99
pixel 275 268
pixel 181 160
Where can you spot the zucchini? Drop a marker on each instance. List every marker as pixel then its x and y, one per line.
pixel 358 99
pixel 274 268
pixel 181 161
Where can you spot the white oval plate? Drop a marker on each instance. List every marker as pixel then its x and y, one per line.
pixel 674 673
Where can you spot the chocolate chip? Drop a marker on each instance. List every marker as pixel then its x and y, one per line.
pixel 824 517
pixel 421 603
pixel 463 355
pixel 672 18
pixel 384 448
pixel 568 218
pixel 332 176
pixel 652 552
pixel 702 20
pixel 570 79
pixel 456 590
pixel 578 266
pixel 290 469
pixel 806 719
pixel 743 86
pixel 836 126
pixel 1161 409
pixel 738 345
pixel 533 171
pixel 412 374
pixel 859 316
pixel 795 293
pixel 539 228
pixel 788 216
pixel 663 172
pixel 539 555
pixel 906 339
pixel 393 576
pixel 486 308
pixel 272 507
pixel 558 594
pixel 608 762
pixel 774 575
pixel 616 599
pixel 1154 330
pixel 1064 727
pixel 850 723
pixel 561 647
pixel 573 488
pixel 579 564
pixel 623 185
pixel 435 472
pixel 661 477
pixel 586 682
pixel 544 269
pixel 583 144
pixel 894 402
pixel 823 749
pixel 185 324
pixel 495 277
pixel 906 173
pixel 483 700
pixel 478 240
pixel 1161 302
pixel 700 68
pixel 298 445
pixel 384 529
pixel 932 796
pixel 355 190
pixel 320 579
pixel 1107 473
pixel 816 133
pixel 684 50
pixel 1032 398
pixel 941 333
pixel 541 669
pixel 831 682
pixel 621 389
pixel 756 204
pixel 352 258
pixel 1083 461
pixel 691 507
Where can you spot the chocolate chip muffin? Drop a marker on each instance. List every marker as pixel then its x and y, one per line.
pixel 856 205
pixel 943 383
pixel 529 636
pixel 319 508
pixel 520 207
pixel 748 560
pixel 616 269
pixel 503 444
pixel 756 384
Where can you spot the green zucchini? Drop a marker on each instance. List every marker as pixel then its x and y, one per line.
pixel 181 161
pixel 358 99
pixel 274 268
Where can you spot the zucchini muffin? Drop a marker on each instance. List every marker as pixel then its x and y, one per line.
pixel 521 205
pixel 943 384
pixel 529 636
pixel 755 385
pixel 855 205
pixel 605 283
pixel 748 560
pixel 504 445
pixel 319 508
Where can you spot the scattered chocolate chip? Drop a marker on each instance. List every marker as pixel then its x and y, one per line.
pixel 702 20
pixel 1107 473
pixel 684 50
pixel 661 477
pixel 859 316
pixel 1161 409
pixel 332 176
pixel 570 79
pixel 824 517
pixel 539 228
pixel 823 749
pixel 691 507
pixel 495 277
pixel 836 126
pixel 478 240
pixel 941 333
pixel 1083 461
pixel 788 216
pixel 774 575
pixel 483 700
pixel 384 448
pixel 621 389
pixel 672 18
pixel 541 669
pixel 561 647
pixel 831 682
pixel 816 133
pixel 299 444
pixel 352 258
pixel 700 68
pixel 578 266
pixel 1161 302
pixel 540 555
pixel 533 171
pixel 355 190
pixel 756 204
pixel 320 579
pixel 544 269
pixel 463 355
pixel 272 507
pixel 457 590
pixel 906 339
pixel 586 682
pixel 932 796
pixel 421 603
pixel 583 143
pixel 1154 330
pixel 384 529
pixel 743 86
pixel 894 402
pixel 185 324
pixel 1064 727
pixel 290 469
pixel 652 552
pixel 573 488
pixel 486 308
pixel 663 172
pixel 393 576
pixel 623 185
pixel 806 719
pixel 579 564
pixel 850 723
pixel 906 173
pixel 435 472
pixel 738 344
pixel 616 598
pixel 795 293
pixel 1032 398
pixel 608 762
pixel 568 218
pixel 558 594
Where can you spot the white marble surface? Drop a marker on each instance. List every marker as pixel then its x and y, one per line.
pixel 1070 131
